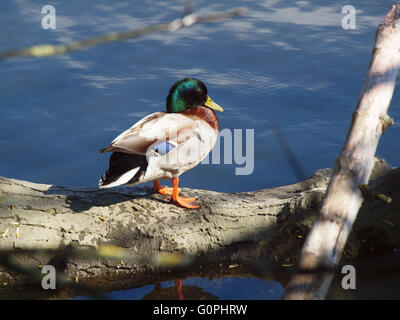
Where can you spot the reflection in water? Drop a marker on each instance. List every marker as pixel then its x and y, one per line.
pixel 178 292
pixel 230 287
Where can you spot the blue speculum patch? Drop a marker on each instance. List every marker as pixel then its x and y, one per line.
pixel 163 147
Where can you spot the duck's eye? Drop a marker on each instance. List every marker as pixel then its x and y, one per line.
pixel 193 96
pixel 163 147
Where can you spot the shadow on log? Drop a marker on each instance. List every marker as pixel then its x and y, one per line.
pixel 266 225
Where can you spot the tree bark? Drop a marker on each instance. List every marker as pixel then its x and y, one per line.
pixel 327 238
pixel 267 224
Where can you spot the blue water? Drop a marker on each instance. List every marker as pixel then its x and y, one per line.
pixel 286 63
pixel 230 288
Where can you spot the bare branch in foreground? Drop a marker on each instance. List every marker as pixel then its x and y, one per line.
pixel 325 242
pixel 46 50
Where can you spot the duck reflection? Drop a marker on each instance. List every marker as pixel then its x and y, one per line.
pixel 178 292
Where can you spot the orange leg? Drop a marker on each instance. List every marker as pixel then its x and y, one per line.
pixel 162 189
pixel 189 203
pixel 178 286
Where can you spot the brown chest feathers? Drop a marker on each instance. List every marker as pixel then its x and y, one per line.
pixel 203 113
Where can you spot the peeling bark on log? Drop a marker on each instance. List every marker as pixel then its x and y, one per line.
pixel 327 238
pixel 237 226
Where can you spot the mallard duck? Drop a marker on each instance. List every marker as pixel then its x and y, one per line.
pixel 164 145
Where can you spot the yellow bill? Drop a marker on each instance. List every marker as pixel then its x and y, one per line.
pixel 211 104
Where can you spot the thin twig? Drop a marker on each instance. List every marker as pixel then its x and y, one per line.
pixel 288 152
pixel 46 50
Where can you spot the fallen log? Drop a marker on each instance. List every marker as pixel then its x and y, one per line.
pixel 267 224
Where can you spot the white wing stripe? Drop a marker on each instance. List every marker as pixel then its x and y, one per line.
pixel 122 179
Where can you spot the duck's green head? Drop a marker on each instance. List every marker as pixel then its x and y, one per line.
pixel 189 93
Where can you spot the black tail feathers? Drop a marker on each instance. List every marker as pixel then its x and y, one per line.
pixel 120 164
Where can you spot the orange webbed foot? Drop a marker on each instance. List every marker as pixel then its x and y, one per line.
pixel 189 203
pixel 185 202
pixel 163 189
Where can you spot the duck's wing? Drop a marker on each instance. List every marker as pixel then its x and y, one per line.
pixel 159 126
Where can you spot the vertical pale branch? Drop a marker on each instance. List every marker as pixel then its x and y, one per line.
pixel 353 166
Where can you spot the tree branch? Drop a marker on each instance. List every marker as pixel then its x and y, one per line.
pixel 353 166
pixel 46 50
